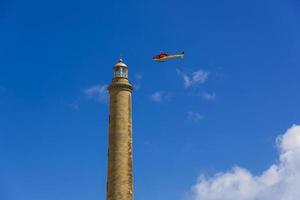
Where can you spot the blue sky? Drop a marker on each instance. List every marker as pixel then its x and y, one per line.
pixel 223 105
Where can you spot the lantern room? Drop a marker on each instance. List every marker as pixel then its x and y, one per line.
pixel 120 70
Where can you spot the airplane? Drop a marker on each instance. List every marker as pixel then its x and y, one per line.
pixel 163 56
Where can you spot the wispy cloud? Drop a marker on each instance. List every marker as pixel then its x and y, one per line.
pixel 160 96
pixel 196 77
pixel 194 116
pixel 97 93
pixel 204 95
pixel 156 96
pixel 208 96
pixel 281 181
pixel 138 76
pixel 74 106
pixel 138 81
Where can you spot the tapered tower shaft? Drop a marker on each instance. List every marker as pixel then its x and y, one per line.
pixel 119 175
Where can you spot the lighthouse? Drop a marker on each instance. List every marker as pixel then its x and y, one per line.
pixel 119 173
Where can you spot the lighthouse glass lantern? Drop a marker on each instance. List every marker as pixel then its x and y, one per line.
pixel 120 70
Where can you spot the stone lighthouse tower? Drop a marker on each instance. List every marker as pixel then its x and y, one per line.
pixel 119 174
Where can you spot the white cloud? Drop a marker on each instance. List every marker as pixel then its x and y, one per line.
pixel 194 116
pixel 159 96
pixel 156 96
pixel 281 181
pixel 138 81
pixel 138 76
pixel 97 93
pixel 196 77
pixel 208 96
